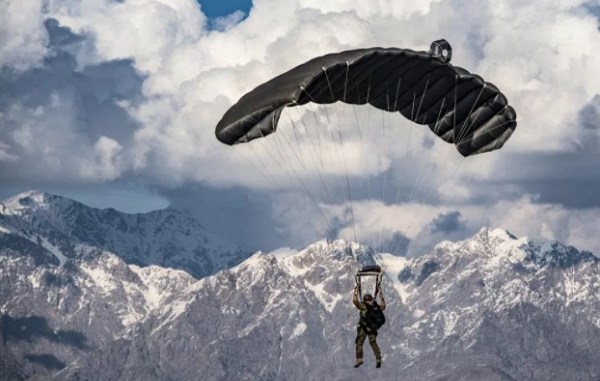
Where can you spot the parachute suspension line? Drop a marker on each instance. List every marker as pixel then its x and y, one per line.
pixel 330 128
pixel 362 144
pixel 419 172
pixel 296 133
pixel 452 175
pixel 466 125
pixel 316 152
pixel 287 172
pixel 407 142
pixel 280 151
pixel 345 81
pixel 490 130
pixel 279 187
pixel 397 91
pixel 368 95
pixel 301 162
pixel 311 196
pixel 329 150
pixel 455 101
pixel 266 171
pixel 393 109
pixel 317 129
pixel 333 163
pixel 422 98
pixel 348 189
pixel 407 152
pixel 330 125
pixel 378 285
pixel 384 175
pixel 436 127
pixel 420 175
pixel 343 157
pixel 316 165
pixel 410 125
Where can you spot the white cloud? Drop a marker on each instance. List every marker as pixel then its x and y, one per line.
pixel 148 31
pixel 376 223
pixel 22 34
pixel 5 155
pixel 542 54
pixel 43 138
pixel 520 56
pixel 547 68
pixel 229 21
pixel 106 161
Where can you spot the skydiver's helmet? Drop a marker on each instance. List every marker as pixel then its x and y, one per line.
pixel 442 50
pixel 367 298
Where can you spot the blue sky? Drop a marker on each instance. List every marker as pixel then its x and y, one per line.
pixel 115 103
pixel 220 8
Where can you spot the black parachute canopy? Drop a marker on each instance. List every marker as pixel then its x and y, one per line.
pixel 459 107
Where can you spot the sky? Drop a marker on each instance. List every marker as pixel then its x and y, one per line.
pixel 213 9
pixel 115 103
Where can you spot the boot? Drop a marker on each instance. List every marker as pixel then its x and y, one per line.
pixel 378 364
pixel 358 363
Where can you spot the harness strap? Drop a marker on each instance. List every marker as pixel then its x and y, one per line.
pixel 378 285
pixel 358 283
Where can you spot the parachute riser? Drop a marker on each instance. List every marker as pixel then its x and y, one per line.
pixel 359 286
pixel 369 271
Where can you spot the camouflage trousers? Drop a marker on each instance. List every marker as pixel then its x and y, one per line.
pixel 360 340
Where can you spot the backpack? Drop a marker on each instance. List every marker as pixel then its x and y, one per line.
pixel 374 318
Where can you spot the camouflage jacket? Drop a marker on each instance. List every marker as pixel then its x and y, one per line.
pixel 362 307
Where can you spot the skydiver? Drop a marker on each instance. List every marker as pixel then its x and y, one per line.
pixel 365 328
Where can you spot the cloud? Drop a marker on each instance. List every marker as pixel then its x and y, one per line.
pixel 192 74
pixel 229 21
pixel 4 154
pixel 590 114
pixel 57 119
pixel 239 214
pixel 397 244
pixel 105 166
pixel 423 226
pixel 101 91
pixel 447 223
pixel 22 34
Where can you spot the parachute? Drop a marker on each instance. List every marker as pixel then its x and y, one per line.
pixel 459 107
pixel 331 162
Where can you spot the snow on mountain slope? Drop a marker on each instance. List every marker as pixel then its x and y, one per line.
pixel 67 229
pixel 490 307
pixel 64 312
pixel 87 294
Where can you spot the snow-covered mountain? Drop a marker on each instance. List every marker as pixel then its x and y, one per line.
pixel 492 307
pixel 56 229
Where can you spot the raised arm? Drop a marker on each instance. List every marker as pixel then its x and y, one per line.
pixel 355 298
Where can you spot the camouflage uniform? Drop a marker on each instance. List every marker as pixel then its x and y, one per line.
pixel 362 332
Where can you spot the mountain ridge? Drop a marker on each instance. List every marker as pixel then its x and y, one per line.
pixel 288 305
pixel 69 229
pixel 492 306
